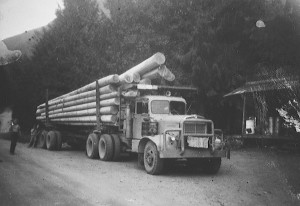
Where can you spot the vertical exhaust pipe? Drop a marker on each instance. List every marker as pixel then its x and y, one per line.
pixel 128 122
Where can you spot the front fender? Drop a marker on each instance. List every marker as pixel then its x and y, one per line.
pixel 157 139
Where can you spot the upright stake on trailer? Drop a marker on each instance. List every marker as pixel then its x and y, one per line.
pixel 98 107
pixel 120 108
pixel 47 109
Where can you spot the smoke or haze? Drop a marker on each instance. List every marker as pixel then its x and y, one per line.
pixel 5 119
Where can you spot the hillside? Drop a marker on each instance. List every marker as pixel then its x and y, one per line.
pixel 24 41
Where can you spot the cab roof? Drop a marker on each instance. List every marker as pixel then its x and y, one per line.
pixel 162 97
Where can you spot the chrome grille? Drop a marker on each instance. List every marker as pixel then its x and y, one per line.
pixel 194 128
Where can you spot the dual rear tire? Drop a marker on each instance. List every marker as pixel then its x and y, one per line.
pixel 51 140
pixel 106 147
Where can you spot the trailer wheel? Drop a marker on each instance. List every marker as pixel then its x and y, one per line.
pixel 41 142
pixel 59 140
pixel 154 165
pixel 51 140
pixel 117 147
pixel 212 165
pixel 92 146
pixel 106 148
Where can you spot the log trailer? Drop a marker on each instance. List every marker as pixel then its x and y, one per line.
pixel 149 121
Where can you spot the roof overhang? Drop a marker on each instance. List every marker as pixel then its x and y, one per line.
pixel 265 85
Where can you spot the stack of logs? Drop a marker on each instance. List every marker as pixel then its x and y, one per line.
pixel 79 106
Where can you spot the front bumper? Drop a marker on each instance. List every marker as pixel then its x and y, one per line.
pixel 194 153
pixel 180 149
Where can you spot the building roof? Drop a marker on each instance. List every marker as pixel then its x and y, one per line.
pixel 265 85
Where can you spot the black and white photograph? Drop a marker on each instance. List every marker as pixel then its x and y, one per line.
pixel 149 102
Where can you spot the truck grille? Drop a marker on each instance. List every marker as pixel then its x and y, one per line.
pixel 194 128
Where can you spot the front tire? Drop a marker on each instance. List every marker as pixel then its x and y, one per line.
pixel 154 165
pixel 92 146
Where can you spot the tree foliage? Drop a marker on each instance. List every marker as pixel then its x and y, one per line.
pixel 212 45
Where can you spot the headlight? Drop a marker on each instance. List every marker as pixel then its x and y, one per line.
pixel 218 143
pixel 172 136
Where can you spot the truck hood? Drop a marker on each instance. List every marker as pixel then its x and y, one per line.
pixel 173 121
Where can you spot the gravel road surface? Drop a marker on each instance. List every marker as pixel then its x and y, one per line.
pixel 40 177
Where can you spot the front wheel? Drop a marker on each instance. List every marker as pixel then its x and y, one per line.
pixel 153 163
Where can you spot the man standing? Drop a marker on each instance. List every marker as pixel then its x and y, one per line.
pixel 15 134
pixel 35 132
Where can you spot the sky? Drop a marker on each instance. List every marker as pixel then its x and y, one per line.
pixel 18 16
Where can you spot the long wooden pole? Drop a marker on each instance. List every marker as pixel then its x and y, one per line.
pixel 68 104
pixel 147 65
pixel 160 72
pixel 111 79
pixel 104 118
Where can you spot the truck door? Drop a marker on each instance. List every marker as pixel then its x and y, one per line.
pixel 141 112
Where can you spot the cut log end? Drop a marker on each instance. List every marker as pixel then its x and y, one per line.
pixel 160 58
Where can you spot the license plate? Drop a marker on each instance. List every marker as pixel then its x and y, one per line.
pixel 198 142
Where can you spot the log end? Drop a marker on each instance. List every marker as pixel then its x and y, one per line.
pixel 159 58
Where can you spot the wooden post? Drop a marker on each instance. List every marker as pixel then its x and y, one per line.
pixel 47 109
pixel 244 115
pixel 98 107
pixel 120 109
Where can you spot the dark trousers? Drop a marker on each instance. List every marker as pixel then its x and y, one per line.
pixel 13 141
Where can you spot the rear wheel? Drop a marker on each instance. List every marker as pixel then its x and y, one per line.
pixel 106 147
pixel 92 146
pixel 41 142
pixel 59 140
pixel 153 163
pixel 51 140
pixel 117 147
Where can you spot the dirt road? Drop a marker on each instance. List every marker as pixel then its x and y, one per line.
pixel 39 177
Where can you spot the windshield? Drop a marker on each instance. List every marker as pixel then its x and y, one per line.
pixel 166 107
pixel 160 107
pixel 177 108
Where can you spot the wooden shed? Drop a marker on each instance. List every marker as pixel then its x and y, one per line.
pixel 267 108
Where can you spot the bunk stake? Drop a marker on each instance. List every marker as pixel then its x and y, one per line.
pixel 47 109
pixel 98 107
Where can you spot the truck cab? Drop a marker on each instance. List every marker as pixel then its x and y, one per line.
pixel 161 130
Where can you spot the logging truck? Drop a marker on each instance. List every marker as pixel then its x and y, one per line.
pixel 127 114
